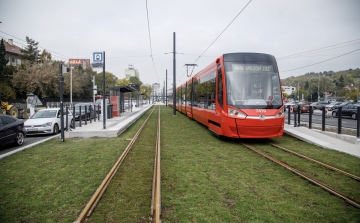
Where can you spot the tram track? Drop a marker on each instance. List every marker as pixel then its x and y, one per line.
pixel 155 201
pixel 310 179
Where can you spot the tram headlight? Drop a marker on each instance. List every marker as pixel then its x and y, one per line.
pixel 280 113
pixel 236 113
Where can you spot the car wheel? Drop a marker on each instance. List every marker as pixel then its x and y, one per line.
pixel 56 129
pixel 19 139
pixel 353 116
pixel 334 114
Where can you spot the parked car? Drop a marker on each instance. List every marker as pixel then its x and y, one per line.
pixel 320 104
pixel 342 104
pixel 347 110
pixel 304 107
pixel 292 103
pixel 11 130
pixel 47 121
pixel 332 105
pixel 90 112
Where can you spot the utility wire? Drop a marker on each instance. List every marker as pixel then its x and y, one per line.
pixel 152 59
pixel 320 61
pixel 223 30
pixel 220 34
pixel 38 46
pixel 21 44
pixel 317 50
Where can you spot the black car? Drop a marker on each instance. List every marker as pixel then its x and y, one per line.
pixel 342 104
pixel 349 109
pixel 11 130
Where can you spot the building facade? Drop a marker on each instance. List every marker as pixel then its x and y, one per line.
pixel 288 89
pixel 131 72
pixel 156 91
pixel 12 53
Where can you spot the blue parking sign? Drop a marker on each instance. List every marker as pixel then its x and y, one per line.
pixel 97 57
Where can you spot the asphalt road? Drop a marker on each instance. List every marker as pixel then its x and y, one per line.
pixel 28 141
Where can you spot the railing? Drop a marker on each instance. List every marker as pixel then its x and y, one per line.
pixel 93 116
pixel 296 113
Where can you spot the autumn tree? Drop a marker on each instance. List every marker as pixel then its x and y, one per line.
pixel 110 81
pixel 45 56
pixel 146 90
pixel 40 79
pixel 123 82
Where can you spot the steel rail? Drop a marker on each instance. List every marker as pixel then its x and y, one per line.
pixel 332 191
pixel 156 189
pixel 318 162
pixel 90 206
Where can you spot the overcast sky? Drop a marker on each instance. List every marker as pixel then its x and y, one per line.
pixel 76 29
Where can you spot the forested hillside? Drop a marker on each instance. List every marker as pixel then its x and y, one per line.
pixel 331 82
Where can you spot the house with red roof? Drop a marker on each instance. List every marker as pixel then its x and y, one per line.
pixel 12 53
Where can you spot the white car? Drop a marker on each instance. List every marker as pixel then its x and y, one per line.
pixel 46 121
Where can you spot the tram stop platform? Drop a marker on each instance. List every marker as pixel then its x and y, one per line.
pixel 329 140
pixel 113 126
pixel 116 125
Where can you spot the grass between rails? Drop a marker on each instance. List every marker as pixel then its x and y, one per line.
pixel 204 179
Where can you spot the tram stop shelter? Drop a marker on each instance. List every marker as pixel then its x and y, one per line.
pixel 121 99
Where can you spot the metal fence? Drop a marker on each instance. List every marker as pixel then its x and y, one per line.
pixel 295 115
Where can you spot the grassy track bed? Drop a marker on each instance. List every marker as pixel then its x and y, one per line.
pixel 128 197
pixel 204 179
pixel 337 181
pixel 207 179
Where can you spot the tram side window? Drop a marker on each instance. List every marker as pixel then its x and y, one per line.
pixel 188 94
pixel 198 95
pixel 220 88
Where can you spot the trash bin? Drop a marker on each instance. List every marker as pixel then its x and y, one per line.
pixel 109 110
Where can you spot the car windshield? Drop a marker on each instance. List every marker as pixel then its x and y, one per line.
pixel 45 114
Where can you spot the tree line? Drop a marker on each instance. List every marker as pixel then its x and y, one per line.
pixel 327 82
pixel 39 74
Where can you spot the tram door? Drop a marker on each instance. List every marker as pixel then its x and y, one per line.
pixel 219 96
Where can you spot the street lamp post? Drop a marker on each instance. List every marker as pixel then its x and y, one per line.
pixel 319 88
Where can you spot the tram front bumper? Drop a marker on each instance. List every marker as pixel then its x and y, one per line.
pixel 253 127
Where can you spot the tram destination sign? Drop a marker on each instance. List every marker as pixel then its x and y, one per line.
pixel 252 67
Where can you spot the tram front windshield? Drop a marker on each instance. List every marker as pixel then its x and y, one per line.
pixel 252 85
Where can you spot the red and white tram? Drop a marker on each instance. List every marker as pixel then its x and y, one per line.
pixel 238 96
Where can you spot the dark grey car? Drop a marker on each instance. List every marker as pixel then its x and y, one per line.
pixel 11 130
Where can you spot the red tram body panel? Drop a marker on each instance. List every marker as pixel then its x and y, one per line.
pixel 237 96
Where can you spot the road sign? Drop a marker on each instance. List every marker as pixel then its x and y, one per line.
pixel 98 57
pixel 75 61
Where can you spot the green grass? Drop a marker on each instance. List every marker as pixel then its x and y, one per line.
pixel 204 179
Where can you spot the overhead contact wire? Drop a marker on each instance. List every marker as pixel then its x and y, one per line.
pixel 320 61
pixel 148 22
